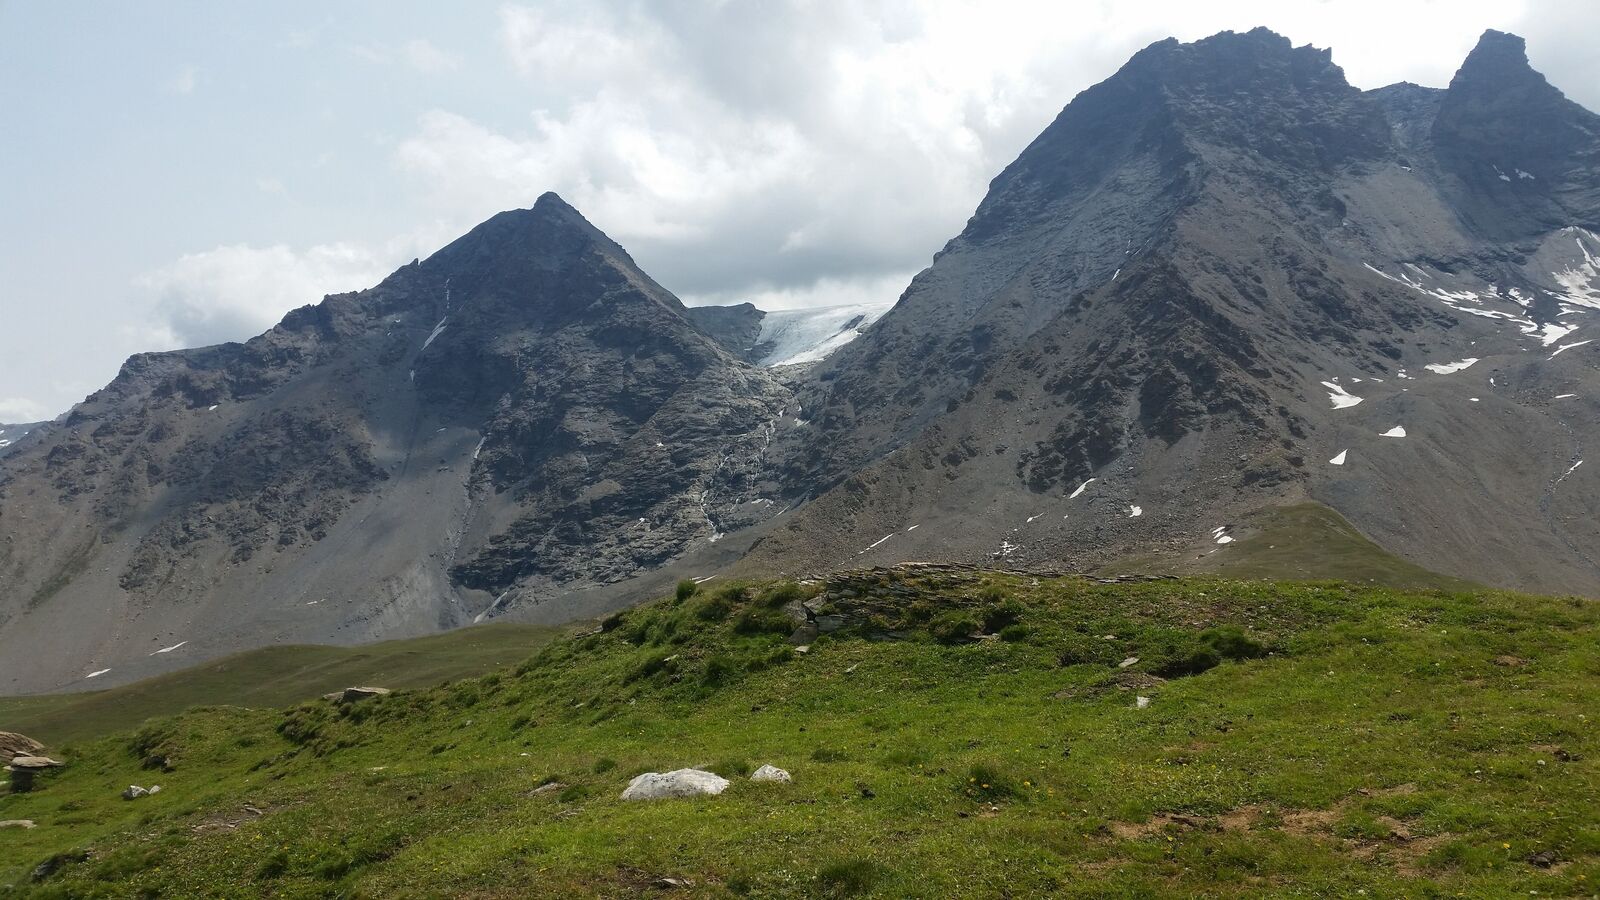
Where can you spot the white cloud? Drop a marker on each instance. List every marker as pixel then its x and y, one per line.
pixel 418 54
pixel 423 56
pixel 185 81
pixel 791 149
pixel 236 291
pixel 20 409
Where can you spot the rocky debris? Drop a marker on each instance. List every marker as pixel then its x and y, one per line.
pixel 134 791
pixel 355 694
pixel 17 823
pixel 677 783
pixel 13 744
pixel 24 769
pixel 770 773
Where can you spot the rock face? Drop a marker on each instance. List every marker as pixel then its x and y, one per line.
pixel 14 436
pixel 1215 271
pixel 675 784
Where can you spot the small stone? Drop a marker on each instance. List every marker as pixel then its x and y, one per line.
pixel 17 823
pixel 1141 702
pixel 770 773
pixel 134 792
pixel 803 649
pixel 547 788
pixel 1132 660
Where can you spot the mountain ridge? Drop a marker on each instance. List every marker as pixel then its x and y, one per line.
pixel 1221 282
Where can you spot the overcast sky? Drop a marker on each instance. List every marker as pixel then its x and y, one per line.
pixel 177 174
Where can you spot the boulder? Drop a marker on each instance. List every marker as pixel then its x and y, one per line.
pixel 17 823
pixel 134 792
pixel 24 768
pixel 830 624
pixel 770 773
pixel 355 694
pixel 678 783
pixel 13 745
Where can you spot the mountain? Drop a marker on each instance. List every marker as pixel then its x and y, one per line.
pixel 11 435
pixel 1222 281
pixel 1223 292
pixel 523 415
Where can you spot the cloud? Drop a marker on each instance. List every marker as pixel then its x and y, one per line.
pixel 417 54
pixel 185 81
pixel 795 148
pixel 18 410
pixel 235 291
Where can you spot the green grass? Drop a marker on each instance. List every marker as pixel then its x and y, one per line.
pixel 1304 541
pixel 1332 739
pixel 273 677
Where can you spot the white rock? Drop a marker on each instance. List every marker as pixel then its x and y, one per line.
pixel 770 773
pixel 1127 662
pixel 678 783
pixel 134 792
pixel 1141 702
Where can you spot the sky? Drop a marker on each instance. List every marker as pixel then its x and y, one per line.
pixel 183 173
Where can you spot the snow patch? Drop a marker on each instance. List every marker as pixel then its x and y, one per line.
pixel 1564 396
pixel 1135 512
pixel 1339 459
pixel 1565 347
pixel 877 542
pixel 1397 431
pixel 1080 489
pixel 170 649
pixel 1448 368
pixel 435 333
pixel 795 336
pixel 1341 398
pixel 97 673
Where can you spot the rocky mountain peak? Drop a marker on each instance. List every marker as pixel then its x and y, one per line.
pixel 1497 57
pixel 1524 156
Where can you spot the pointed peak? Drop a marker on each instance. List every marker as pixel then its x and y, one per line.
pixel 1501 43
pixel 550 201
pixel 1497 57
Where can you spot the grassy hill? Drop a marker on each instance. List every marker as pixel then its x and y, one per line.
pixel 964 734
pixel 273 677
